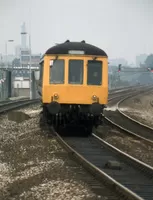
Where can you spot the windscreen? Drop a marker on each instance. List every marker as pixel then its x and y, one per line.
pixel 94 72
pixel 57 72
pixel 76 71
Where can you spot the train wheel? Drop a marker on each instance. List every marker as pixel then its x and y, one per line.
pixel 88 131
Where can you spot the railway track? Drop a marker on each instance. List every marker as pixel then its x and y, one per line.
pixel 8 106
pixel 127 124
pixel 123 174
pixel 114 97
pixel 125 88
pixel 14 100
pixel 11 156
pixel 94 149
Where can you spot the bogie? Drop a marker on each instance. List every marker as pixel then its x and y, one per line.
pixel 72 122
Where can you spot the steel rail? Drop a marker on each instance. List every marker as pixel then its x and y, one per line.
pixel 11 100
pixel 126 187
pixel 17 104
pixel 93 153
pixel 5 103
pixel 127 124
pixel 134 120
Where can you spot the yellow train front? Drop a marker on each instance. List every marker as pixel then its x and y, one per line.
pixel 73 85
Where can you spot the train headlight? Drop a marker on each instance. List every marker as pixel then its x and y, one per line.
pixel 56 96
pixel 94 98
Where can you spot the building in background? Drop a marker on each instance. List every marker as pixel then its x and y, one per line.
pixel 23 36
pixel 17 51
pixel 21 62
pixel 140 59
pixel 9 59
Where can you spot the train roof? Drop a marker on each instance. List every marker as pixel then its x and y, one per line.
pixel 76 48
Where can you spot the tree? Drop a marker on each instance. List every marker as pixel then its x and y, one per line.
pixel 149 61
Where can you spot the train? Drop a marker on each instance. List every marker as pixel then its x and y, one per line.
pixel 73 86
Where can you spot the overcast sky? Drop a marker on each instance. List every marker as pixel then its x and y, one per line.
pixel 123 28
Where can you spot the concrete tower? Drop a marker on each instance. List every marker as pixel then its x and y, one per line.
pixel 23 36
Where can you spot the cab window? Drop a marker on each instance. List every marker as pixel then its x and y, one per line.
pixel 57 71
pixel 94 72
pixel 75 72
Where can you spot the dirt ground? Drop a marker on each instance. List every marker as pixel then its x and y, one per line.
pixel 33 166
pixel 139 108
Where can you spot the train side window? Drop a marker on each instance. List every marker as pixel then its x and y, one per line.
pixel 57 72
pixel 76 71
pixel 94 72
pixel 41 68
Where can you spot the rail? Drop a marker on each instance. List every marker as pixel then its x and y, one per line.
pixel 120 172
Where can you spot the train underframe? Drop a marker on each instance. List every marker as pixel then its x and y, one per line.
pixel 80 119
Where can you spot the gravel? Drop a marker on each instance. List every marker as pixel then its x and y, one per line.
pixel 134 147
pixel 139 108
pixel 34 166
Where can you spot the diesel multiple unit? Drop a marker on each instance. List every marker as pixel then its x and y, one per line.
pixel 73 85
